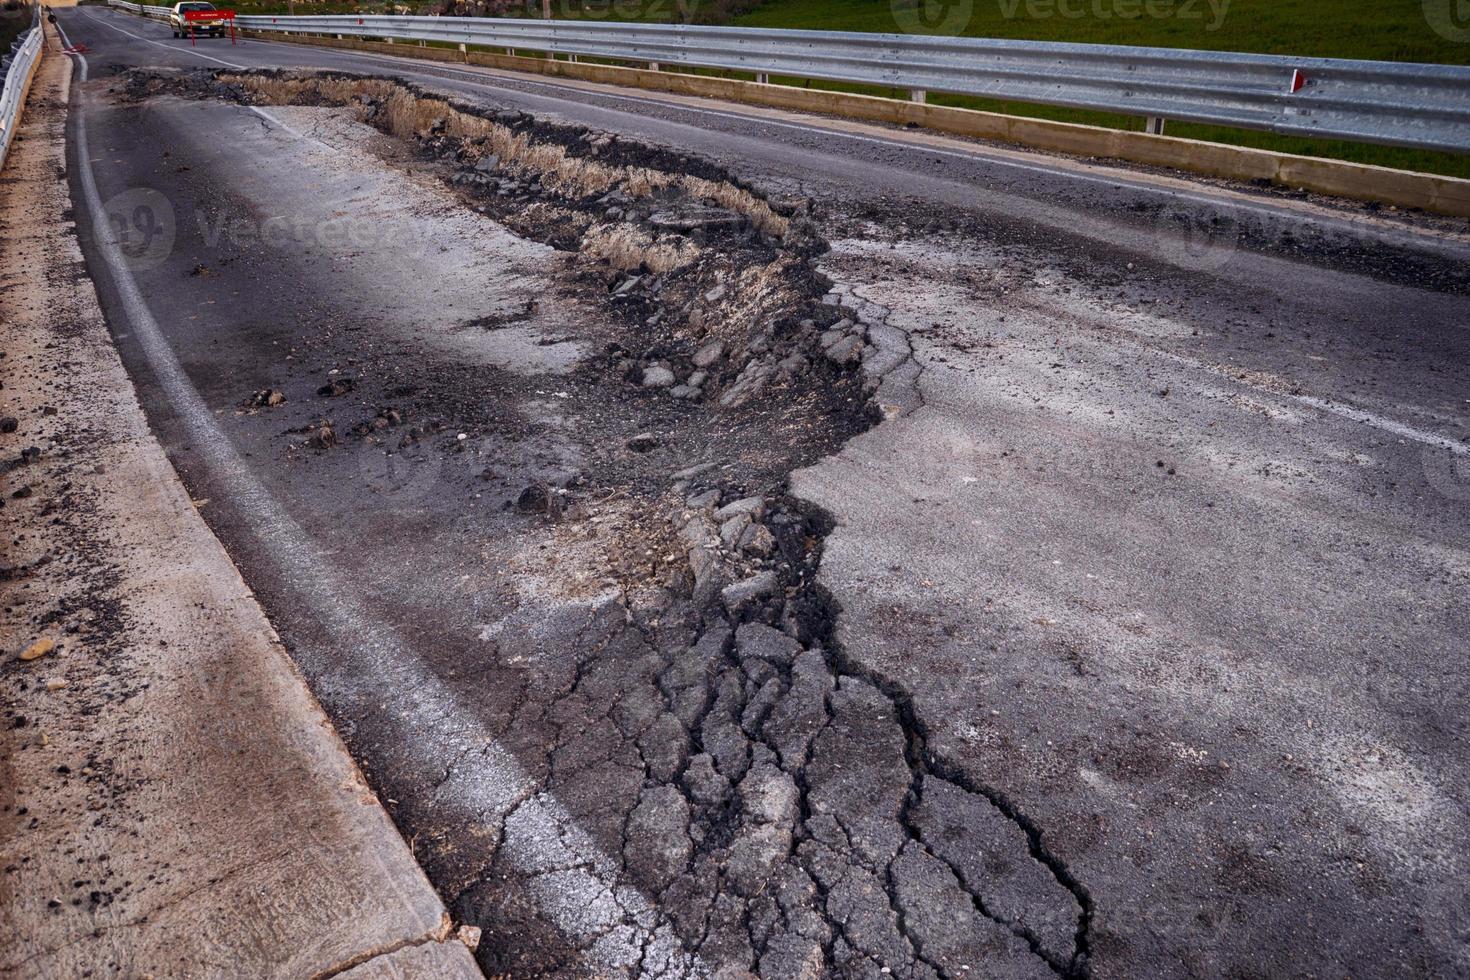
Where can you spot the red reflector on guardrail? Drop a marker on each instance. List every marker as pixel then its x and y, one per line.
pixel 1297 81
pixel 201 17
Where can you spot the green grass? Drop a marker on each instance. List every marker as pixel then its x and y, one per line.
pixel 1388 30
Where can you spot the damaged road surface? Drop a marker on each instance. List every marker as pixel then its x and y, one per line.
pixel 721 565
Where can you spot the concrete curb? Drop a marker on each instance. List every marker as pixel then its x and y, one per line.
pixel 1340 178
pixel 173 801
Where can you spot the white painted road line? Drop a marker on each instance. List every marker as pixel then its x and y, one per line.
pixel 1387 425
pixel 577 886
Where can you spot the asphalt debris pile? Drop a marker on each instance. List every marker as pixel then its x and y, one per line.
pixel 716 278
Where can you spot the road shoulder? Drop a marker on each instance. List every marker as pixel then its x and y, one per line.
pixel 172 799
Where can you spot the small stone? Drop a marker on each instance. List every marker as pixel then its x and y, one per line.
pixel 54 684
pixel 38 649
pixel 643 442
pixel 470 936
pixel 755 507
pixel 703 501
pixel 533 500
pixel 685 392
pixel 742 595
pixel 697 379
pixel 323 435
pixel 708 354
pixel 758 540
pixel 335 387
pixel 658 377
pixel 732 529
pixel 845 351
pixel 9 423
pixel 716 294
pixel 487 163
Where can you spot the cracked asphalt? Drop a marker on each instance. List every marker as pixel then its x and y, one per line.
pixel 977 564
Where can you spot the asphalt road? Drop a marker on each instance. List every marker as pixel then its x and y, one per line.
pixel 1149 613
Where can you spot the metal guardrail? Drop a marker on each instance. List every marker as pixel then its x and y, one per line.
pixel 18 74
pixel 141 8
pixel 1400 104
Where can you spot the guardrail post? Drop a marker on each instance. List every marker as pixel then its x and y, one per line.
pixel 1154 125
pixel 762 78
pixel 918 95
pixel 653 66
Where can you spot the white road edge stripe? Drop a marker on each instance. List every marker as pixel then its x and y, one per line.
pixel 574 883
pixel 1387 425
